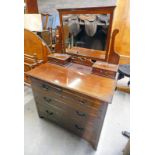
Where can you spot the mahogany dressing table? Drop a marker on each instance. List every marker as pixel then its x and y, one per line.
pixel 73 99
pixel 69 93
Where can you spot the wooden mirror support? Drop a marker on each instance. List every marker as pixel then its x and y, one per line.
pixel 113 57
pixel 92 10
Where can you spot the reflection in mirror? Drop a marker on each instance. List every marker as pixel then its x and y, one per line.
pixel 86 30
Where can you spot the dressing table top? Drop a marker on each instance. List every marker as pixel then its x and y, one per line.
pixel 92 85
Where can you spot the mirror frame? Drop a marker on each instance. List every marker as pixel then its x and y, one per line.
pixel 90 10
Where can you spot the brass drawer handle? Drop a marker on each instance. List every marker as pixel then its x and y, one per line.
pixel 82 102
pixel 79 128
pixel 58 90
pixel 47 99
pixel 48 112
pixel 45 87
pixel 81 114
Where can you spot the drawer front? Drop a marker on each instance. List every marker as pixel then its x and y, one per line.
pixel 78 110
pixel 82 61
pixel 51 113
pixel 85 131
pixel 58 61
pixel 105 73
pixel 79 114
pixel 65 120
pixel 45 87
pixel 81 99
pixel 65 94
pixel 109 73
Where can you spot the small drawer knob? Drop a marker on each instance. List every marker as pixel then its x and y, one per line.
pixel 79 128
pixel 80 114
pixel 48 112
pixel 81 102
pixel 47 99
pixel 45 87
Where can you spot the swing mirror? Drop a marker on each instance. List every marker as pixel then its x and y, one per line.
pixel 86 30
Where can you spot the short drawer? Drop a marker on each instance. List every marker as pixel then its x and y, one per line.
pixel 45 87
pixel 81 99
pixel 106 73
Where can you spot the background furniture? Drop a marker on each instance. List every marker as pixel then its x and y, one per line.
pixel 126 150
pixel 33 22
pixel 124 70
pixel 31 6
pixel 121 21
pixel 35 52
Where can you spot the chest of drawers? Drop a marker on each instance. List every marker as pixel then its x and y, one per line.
pixel 68 99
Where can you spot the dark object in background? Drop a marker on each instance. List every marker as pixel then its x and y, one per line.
pixel 126 150
pixel 124 70
pixel 126 133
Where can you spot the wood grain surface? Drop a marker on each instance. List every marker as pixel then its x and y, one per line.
pixel 92 85
pixel 122 22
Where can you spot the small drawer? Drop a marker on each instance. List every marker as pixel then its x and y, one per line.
pixel 82 110
pixel 58 58
pixel 109 73
pixel 81 99
pixel 105 73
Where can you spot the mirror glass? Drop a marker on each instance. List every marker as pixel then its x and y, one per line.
pixel 86 30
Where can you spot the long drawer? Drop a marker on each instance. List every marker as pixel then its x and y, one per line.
pixel 67 103
pixel 64 119
pixel 65 94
